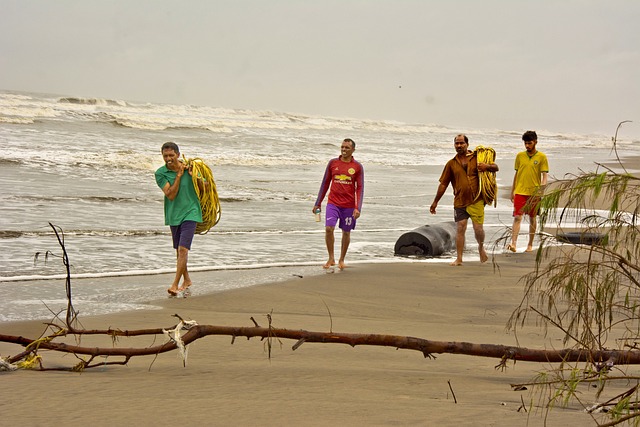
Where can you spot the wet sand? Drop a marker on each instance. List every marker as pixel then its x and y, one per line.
pixel 317 384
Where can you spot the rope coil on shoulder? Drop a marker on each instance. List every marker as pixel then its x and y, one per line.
pixel 207 194
pixel 488 188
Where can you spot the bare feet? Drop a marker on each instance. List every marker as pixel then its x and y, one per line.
pixel 172 292
pixel 483 256
pixel 329 264
pixel 456 262
pixel 511 247
pixel 341 265
pixel 529 249
pixel 184 287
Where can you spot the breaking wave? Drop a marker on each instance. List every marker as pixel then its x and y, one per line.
pixel 92 101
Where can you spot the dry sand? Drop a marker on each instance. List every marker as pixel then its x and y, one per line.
pixel 317 384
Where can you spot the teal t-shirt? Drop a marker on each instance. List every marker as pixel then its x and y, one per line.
pixel 186 206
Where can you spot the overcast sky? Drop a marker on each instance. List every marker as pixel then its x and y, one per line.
pixel 556 65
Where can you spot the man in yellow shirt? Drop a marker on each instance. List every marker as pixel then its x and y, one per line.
pixel 532 168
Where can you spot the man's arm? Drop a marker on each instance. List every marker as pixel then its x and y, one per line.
pixel 513 186
pixel 324 187
pixel 171 190
pixel 488 167
pixel 203 185
pixel 441 189
pixel 359 192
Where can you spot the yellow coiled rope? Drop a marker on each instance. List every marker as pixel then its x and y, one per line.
pixel 488 188
pixel 207 194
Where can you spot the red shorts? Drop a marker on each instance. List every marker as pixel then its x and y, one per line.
pixel 525 205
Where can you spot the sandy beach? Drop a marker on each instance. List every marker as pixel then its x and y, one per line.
pixel 227 383
pixel 317 384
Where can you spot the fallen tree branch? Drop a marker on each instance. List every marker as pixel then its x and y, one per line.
pixel 427 347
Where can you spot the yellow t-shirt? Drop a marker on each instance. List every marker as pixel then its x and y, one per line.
pixel 528 170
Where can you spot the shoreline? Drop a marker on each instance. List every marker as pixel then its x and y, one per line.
pixel 230 382
pixel 207 269
pixel 101 294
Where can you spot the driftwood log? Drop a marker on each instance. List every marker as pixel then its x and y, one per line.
pixel 427 347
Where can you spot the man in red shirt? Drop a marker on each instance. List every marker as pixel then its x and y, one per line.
pixel 345 176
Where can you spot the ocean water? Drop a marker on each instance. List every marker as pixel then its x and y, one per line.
pixel 87 166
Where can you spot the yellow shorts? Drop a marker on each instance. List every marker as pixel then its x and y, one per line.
pixel 476 212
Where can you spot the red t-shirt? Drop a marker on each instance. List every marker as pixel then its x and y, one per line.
pixel 346 180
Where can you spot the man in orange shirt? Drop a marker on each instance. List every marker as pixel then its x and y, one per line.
pixel 462 172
